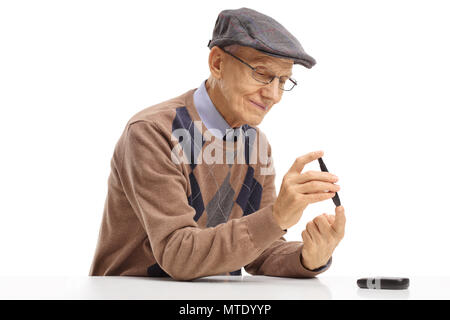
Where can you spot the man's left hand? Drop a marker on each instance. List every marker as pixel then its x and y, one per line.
pixel 321 237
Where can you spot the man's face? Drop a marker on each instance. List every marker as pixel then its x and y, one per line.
pixel 241 90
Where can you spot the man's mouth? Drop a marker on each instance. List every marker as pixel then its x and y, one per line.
pixel 258 105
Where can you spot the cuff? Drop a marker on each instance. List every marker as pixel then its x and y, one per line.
pixel 311 273
pixel 319 269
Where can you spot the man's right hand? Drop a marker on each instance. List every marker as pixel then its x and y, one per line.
pixel 300 189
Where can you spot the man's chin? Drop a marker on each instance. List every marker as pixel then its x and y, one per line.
pixel 254 121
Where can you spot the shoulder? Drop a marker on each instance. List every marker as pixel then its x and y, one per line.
pixel 160 115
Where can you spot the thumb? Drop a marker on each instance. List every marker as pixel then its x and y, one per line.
pixel 339 220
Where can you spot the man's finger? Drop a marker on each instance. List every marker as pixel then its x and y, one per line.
pixel 305 236
pixel 301 161
pixel 330 218
pixel 317 197
pixel 317 187
pixel 314 176
pixel 313 231
pixel 339 221
pixel 323 225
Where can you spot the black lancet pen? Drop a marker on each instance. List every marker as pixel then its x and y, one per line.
pixel 323 167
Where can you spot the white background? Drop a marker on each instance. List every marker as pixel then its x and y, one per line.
pixel 73 72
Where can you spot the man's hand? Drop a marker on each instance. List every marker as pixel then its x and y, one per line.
pixel 300 189
pixel 321 237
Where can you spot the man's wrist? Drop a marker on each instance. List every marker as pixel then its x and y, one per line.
pixel 277 220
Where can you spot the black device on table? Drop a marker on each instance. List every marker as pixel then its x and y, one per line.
pixel 393 283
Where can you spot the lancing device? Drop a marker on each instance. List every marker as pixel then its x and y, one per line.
pixel 383 283
pixel 323 167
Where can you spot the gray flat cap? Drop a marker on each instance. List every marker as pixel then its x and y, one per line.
pixel 247 27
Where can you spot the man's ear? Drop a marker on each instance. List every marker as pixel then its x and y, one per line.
pixel 215 61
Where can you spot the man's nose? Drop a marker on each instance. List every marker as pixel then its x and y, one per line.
pixel 272 90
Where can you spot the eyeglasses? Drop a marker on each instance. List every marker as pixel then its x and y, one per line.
pixel 262 75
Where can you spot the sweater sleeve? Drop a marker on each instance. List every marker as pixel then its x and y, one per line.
pixel 281 258
pixel 157 190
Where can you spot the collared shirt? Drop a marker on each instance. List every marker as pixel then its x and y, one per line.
pixel 209 114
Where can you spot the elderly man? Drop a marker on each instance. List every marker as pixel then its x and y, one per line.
pixel 172 211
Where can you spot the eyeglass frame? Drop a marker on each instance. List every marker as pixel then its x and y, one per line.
pixel 254 70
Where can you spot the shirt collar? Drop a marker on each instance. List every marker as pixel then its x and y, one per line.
pixel 210 116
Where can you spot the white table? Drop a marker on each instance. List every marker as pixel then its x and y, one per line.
pixel 212 288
